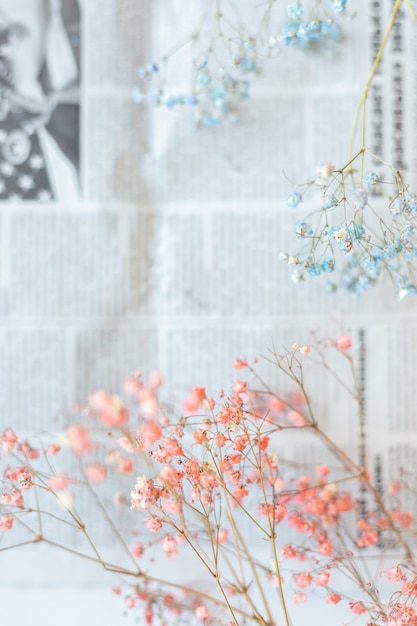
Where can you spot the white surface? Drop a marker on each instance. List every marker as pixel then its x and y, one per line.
pixel 72 607
pixel 63 607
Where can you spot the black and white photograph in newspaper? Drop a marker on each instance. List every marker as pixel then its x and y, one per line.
pixel 39 100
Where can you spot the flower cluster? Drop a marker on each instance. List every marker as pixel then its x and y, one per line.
pixel 210 484
pixel 226 53
pixel 360 227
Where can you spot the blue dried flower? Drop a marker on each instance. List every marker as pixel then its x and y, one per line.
pixel 327 265
pixel 294 10
pixel 314 269
pixel 303 229
pixel 294 199
pixel 329 201
pixel 360 198
pixel 370 179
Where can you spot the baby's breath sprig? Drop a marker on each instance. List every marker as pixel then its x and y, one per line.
pixel 362 228
pixel 226 53
pixel 363 224
pixel 219 485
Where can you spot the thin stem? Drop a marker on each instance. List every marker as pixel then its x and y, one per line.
pixel 214 572
pixel 241 545
pixel 110 522
pixel 377 496
pixel 241 585
pixel 411 9
pixel 137 574
pixel 20 545
pixel 272 538
pixel 41 512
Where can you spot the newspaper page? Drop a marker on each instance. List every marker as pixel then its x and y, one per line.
pixel 132 241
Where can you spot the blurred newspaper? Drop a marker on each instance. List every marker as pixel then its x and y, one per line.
pixel 131 241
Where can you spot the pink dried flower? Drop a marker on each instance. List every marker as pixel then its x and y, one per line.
pixel 173 506
pixel 369 537
pixel 20 474
pixel 262 442
pixel 202 613
pixel 235 477
pixel 296 418
pixel 110 409
pixel 6 522
pixel 239 386
pixel 357 607
pixel 394 574
pixel 28 451
pixel 148 402
pixel 220 440
pixel 132 383
pixel 303 580
pixel 333 598
pixel 240 493
pixel 404 518
pixel 322 470
pixel 208 479
pixel 238 364
pixel 394 488
pixel 322 579
pixel 148 615
pixel 409 588
pixel 194 400
pixel 53 449
pixel 149 434
pixel 95 472
pixel 130 602
pixel 304 350
pixel 172 446
pixel 58 482
pixel 124 466
pixel 8 440
pixel 169 546
pixel 326 548
pixel 240 442
pixel 288 552
pixel 153 523
pixel 200 436
pixel 344 342
pixel 276 405
pixel 402 614
pixel 77 438
pixel 155 379
pixel 138 550
pixel 126 443
pixel 145 494
pixel 172 477
pixel 299 597
pixel 14 498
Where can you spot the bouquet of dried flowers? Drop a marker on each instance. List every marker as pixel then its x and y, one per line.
pixel 224 488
